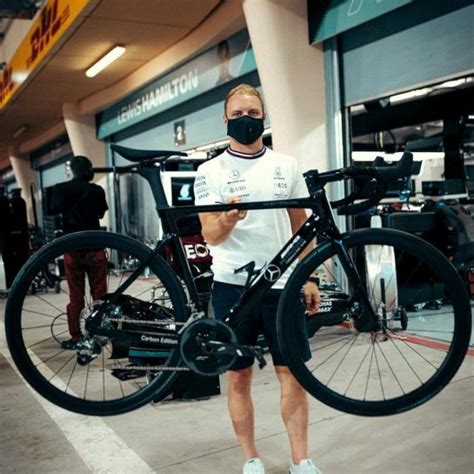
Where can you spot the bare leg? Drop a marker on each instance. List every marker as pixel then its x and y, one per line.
pixel 241 409
pixel 294 410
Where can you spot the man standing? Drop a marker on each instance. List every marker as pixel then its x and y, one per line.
pixel 248 171
pixel 81 205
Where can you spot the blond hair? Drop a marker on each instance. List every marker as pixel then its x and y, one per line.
pixel 243 89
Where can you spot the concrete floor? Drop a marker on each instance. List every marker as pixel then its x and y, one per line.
pixel 196 436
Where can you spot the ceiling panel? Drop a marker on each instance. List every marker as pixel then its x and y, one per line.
pixel 146 27
pixel 72 69
pixel 164 12
pixel 144 41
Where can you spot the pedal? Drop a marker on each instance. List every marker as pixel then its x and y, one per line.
pixel 259 356
pixel 124 374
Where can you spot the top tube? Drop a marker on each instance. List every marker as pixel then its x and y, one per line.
pixel 301 203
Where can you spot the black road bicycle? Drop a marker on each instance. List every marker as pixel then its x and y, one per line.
pixel 379 359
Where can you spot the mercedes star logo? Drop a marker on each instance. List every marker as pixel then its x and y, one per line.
pixel 272 273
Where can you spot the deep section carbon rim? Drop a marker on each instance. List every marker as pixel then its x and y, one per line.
pixel 124 366
pixel 424 315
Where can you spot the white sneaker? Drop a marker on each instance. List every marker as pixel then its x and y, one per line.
pixel 254 466
pixel 305 466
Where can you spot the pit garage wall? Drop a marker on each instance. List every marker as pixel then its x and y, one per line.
pixel 418 44
pixel 291 74
pixel 149 117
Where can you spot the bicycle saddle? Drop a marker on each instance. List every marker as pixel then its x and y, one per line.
pixel 131 154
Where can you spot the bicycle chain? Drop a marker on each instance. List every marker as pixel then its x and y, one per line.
pixel 157 368
pixel 162 322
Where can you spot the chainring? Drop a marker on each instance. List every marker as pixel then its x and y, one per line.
pixel 199 349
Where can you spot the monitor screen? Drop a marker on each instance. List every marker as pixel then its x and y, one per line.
pixel 182 192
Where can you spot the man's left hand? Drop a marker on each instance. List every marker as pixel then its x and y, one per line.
pixel 312 298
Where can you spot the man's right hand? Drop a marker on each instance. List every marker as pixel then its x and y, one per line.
pixel 217 226
pixel 234 215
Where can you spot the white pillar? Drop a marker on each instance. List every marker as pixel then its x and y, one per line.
pixel 25 176
pixel 292 76
pixel 81 131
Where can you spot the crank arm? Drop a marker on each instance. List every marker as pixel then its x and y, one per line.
pixel 240 350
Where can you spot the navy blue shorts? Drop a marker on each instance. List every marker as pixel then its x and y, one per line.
pixel 262 320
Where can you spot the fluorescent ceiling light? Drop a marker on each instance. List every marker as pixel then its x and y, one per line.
pixel 453 83
pixel 409 95
pixel 105 61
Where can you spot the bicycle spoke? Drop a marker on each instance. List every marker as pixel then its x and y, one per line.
pixel 331 355
pixel 421 355
pixel 378 370
pixel 44 340
pixel 405 359
pixel 42 326
pixel 70 377
pixel 146 290
pixel 334 279
pixel 50 304
pixel 43 361
pixel 370 369
pixel 61 368
pixel 390 366
pixel 85 382
pixel 41 314
pixel 334 342
pixel 357 370
pixel 342 360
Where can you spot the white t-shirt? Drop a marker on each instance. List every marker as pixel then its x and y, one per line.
pixel 262 234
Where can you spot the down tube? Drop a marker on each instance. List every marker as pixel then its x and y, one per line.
pixel 271 272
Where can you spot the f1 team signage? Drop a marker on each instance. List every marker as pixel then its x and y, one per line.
pixel 232 58
pixel 54 19
pixel 330 18
pixel 158 96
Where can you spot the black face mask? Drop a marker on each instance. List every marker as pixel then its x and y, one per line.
pixel 245 129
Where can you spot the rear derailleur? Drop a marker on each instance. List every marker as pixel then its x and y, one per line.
pixel 88 349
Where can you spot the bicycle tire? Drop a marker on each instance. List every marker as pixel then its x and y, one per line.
pixel 22 355
pixel 424 342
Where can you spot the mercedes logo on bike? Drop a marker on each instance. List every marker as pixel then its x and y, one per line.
pixel 272 273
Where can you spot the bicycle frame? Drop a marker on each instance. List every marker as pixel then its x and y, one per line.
pixel 320 223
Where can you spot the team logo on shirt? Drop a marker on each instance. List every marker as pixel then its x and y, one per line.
pixel 277 172
pixel 272 273
pixel 234 174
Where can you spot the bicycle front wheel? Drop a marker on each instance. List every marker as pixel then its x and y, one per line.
pixel 118 366
pixel 424 317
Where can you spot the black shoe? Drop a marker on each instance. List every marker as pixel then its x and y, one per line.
pixel 70 345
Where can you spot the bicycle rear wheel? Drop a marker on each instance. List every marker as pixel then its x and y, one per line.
pixel 423 311
pixel 124 366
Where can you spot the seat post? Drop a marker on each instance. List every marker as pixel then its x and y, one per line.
pixel 152 174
